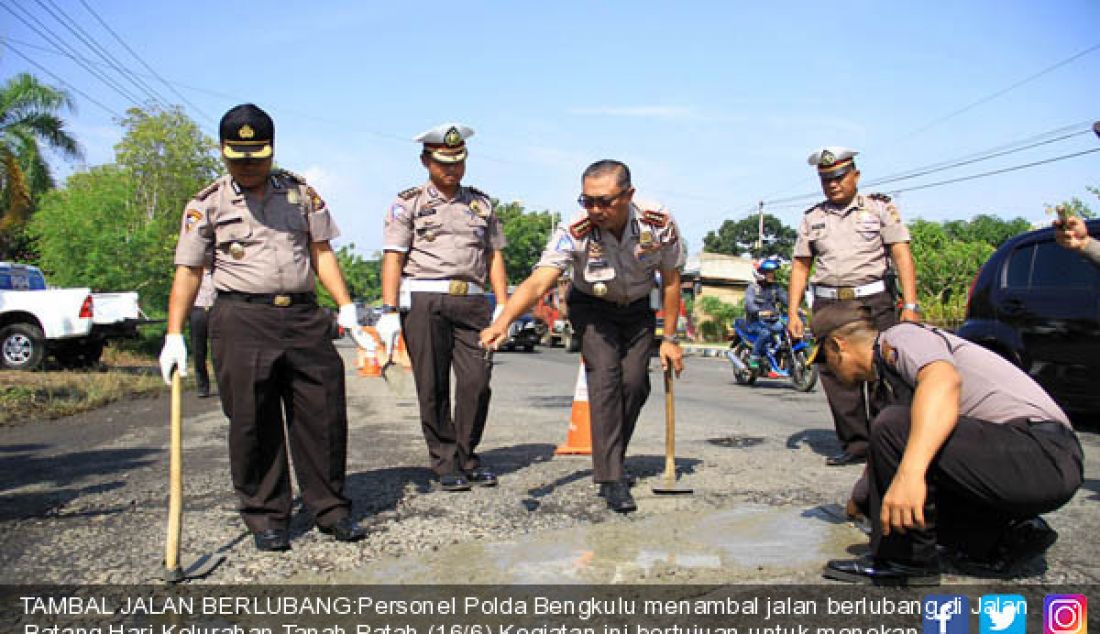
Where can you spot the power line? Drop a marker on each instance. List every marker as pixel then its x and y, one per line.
pixel 998 93
pixel 42 68
pixel 995 172
pixel 52 37
pixel 143 63
pixel 88 40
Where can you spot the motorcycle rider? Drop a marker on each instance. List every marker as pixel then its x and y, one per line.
pixel 762 300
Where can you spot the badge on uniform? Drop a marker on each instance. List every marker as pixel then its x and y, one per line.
pixel 479 210
pixel 236 250
pixel 565 244
pixel 191 218
pixel 599 289
pixel 292 196
pixel 597 268
pixel 314 199
pixel 646 243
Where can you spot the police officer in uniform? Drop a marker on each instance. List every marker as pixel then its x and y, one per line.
pixel 204 301
pixel 615 248
pixel 266 234
pixel 850 236
pixel 442 253
pixel 966 451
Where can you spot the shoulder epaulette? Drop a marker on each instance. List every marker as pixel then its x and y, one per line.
pixel 655 218
pixel 409 193
pixel 580 228
pixel 812 207
pixel 879 197
pixel 206 191
pixel 297 178
pixel 477 191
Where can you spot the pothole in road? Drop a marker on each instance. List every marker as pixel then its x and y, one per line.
pixel 736 442
pixel 551 401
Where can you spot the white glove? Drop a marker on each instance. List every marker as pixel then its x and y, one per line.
pixel 388 327
pixel 173 354
pixel 497 312
pixel 348 319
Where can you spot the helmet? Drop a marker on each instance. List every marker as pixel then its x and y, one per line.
pixel 769 265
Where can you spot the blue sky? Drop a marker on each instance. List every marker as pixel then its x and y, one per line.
pixel 714 105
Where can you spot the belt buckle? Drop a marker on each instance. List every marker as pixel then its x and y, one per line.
pixel 459 287
pixel 282 301
pixel 845 293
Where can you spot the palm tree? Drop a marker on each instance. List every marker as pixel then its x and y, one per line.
pixel 27 119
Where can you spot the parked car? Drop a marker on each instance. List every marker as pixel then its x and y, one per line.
pixel 72 324
pixel 1038 305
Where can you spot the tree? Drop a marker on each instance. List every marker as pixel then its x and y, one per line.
pixel 527 234
pixel 115 227
pixel 984 228
pixel 739 237
pixel 28 118
pixel 1075 206
pixel 363 277
pixel 946 265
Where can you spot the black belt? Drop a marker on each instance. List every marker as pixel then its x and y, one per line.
pixel 580 297
pixel 274 299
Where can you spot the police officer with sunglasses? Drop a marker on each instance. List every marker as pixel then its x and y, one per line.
pixel 615 246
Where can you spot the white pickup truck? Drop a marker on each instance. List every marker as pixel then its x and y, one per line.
pixel 72 324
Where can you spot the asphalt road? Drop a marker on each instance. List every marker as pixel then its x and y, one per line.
pixel 83 499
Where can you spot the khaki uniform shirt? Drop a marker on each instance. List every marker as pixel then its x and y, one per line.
pixel 850 245
pixel 207 293
pixel 444 239
pixel 254 244
pixel 626 267
pixel 992 389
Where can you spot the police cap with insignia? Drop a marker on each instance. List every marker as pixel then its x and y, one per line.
pixel 828 318
pixel 833 161
pixel 446 143
pixel 246 132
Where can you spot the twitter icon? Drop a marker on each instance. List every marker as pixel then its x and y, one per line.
pixel 1002 614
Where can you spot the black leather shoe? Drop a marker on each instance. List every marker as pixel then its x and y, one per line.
pixel 271 540
pixel 344 530
pixel 1021 542
pixel 882 572
pixel 844 458
pixel 454 482
pixel 617 495
pixel 482 478
pixel 204 391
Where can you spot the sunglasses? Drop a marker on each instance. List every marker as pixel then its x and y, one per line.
pixel 591 202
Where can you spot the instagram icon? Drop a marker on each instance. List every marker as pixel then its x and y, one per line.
pixel 1065 614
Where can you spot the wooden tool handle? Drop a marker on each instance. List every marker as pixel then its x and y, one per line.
pixel 175 478
pixel 670 423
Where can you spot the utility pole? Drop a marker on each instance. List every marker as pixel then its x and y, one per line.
pixel 760 230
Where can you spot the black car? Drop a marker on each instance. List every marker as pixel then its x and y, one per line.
pixel 1038 305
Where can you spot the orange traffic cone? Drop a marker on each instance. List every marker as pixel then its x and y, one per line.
pixel 368 357
pixel 579 439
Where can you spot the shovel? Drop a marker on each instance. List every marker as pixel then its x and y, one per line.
pixel 668 485
pixel 173 572
pixel 393 373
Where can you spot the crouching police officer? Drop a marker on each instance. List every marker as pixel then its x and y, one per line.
pixel 966 452
pixel 442 244
pixel 267 235
pixel 615 247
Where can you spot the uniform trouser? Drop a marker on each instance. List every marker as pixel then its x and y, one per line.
pixel 765 331
pixel 270 360
pixel 983 477
pixel 198 321
pixel 847 403
pixel 616 342
pixel 441 330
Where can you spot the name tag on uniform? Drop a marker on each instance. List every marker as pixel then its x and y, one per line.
pixel 820 225
pixel 425 212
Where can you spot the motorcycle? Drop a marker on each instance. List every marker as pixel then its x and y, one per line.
pixel 783 357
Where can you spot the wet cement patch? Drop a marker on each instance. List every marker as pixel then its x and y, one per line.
pixel 750 542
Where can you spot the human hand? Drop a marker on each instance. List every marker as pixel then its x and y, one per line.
pixel 173 354
pixel 389 328
pixel 348 319
pixel 672 355
pixel 909 315
pixel 1071 233
pixel 903 504
pixel 794 326
pixel 494 335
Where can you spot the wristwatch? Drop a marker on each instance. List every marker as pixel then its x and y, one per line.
pixel 388 308
pixel 670 339
pixel 913 307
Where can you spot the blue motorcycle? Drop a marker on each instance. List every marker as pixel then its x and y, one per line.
pixel 783 357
